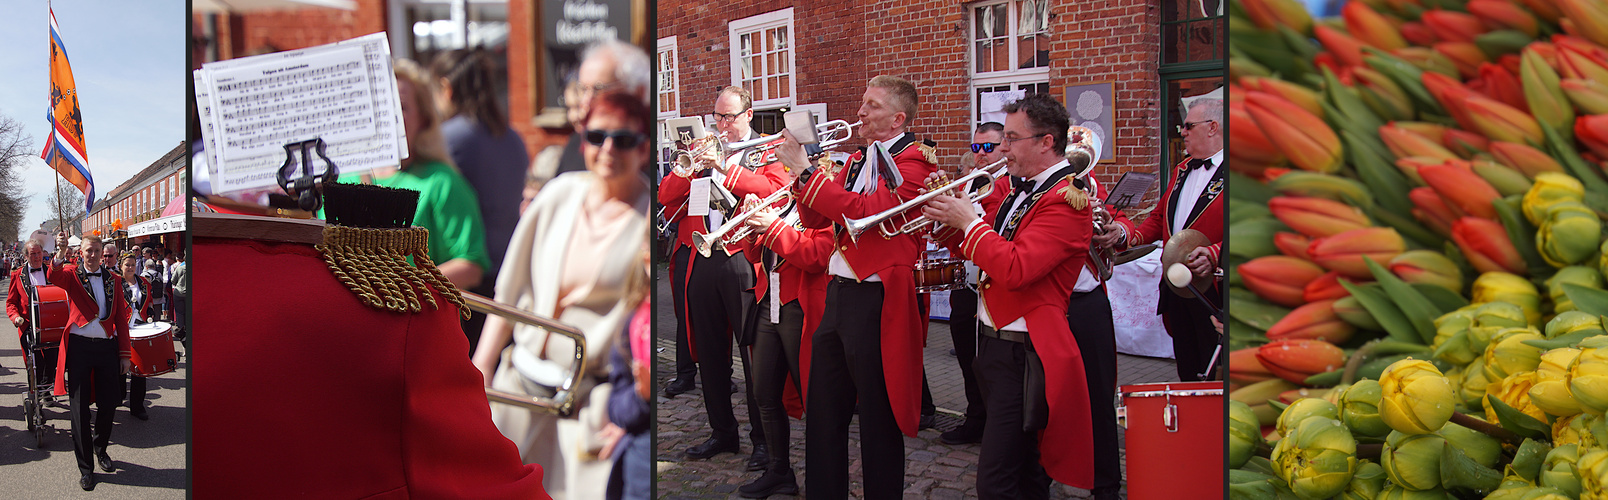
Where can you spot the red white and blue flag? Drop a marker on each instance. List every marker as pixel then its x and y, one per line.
pixel 64 150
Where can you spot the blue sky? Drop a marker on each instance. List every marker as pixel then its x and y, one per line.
pixel 129 62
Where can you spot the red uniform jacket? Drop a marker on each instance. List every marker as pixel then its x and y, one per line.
pixel 81 309
pixel 825 201
pixel 383 404
pixel 1031 276
pixel 1207 216
pixel 674 191
pixel 143 312
pixel 802 271
pixel 17 296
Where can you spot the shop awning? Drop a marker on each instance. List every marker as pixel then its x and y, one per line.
pixel 169 224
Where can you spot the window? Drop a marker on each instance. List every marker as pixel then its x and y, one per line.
pixel 669 96
pixel 1010 51
pixel 762 57
pixel 1192 54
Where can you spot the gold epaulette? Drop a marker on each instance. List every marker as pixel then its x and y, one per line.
pixel 929 152
pixel 1074 196
pixel 373 264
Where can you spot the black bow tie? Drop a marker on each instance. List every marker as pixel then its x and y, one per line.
pixel 36 269
pixel 1022 185
pixel 1200 163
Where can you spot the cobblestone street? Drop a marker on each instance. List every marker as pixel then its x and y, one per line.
pixel 932 469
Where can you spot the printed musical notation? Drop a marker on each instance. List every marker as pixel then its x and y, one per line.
pixel 344 93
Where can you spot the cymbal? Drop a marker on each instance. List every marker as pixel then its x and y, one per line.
pixel 1176 251
pixel 1132 254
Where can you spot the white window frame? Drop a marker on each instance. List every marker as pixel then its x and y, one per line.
pixel 758 24
pixel 1013 77
pixel 668 44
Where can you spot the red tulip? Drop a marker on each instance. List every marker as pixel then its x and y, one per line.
pixel 1577 58
pixel 1295 360
pixel 1502 14
pixel 1370 27
pixel 1427 59
pixel 1452 95
pixel 1502 122
pixel 1278 278
pixel 1593 132
pixel 1270 14
pixel 1243 367
pixel 1292 244
pixel 1346 49
pixel 1524 158
pixel 1316 217
pixel 1590 18
pixel 1547 10
pixel 1451 26
pixel 1486 245
pixel 1303 137
pixel 1432 210
pixel 1465 56
pixel 1344 252
pixel 1327 287
pixel 1315 321
pixel 1462 188
pixel 1500 84
pixel 1404 142
pixel 1296 94
pixel 1250 144
pixel 1466 144
pixel 1418 33
pixel 1410 165
pixel 1590 96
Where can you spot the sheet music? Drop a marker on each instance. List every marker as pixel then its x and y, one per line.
pixel 344 93
pixel 1130 189
pixel 698 197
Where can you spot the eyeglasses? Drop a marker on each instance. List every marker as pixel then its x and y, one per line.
pixel 984 147
pixel 1012 140
pixel 1187 126
pixel 623 139
pixel 722 117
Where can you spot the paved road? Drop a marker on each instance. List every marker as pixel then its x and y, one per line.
pixel 932 468
pixel 150 454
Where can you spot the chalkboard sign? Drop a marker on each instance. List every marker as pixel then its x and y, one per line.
pixel 567 27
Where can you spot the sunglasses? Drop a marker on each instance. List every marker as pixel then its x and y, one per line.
pixel 984 147
pixel 1191 125
pixel 623 139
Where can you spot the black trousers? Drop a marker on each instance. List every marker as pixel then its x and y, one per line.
pixel 135 387
pixel 686 368
pixel 93 366
pixel 1194 338
pixel 1089 316
pixel 719 296
pixel 776 348
pixel 845 367
pixel 1008 466
pixel 45 365
pixel 963 332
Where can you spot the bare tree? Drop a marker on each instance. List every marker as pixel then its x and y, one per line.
pixel 15 149
pixel 66 203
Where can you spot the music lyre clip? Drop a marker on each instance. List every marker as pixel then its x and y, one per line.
pixel 304 190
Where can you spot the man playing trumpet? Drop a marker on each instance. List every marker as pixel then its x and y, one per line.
pixel 716 314
pixel 868 345
pixel 1032 251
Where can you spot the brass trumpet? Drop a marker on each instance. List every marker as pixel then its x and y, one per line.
pixel 705 243
pixel 831 134
pixel 685 158
pixel 995 171
pixel 562 403
pixel 856 226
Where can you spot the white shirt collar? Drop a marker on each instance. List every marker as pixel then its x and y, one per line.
pixel 887 145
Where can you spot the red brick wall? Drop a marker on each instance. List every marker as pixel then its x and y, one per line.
pixel 840 45
pixel 300 28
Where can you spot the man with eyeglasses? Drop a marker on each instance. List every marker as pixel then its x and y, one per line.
pixel 19 299
pixel 718 313
pixel 1193 200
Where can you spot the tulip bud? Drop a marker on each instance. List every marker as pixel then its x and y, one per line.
pixel 1271 14
pixel 1453 26
pixel 1344 252
pixel 1416 398
pixel 1504 15
pixel 1366 483
pixel 1581 60
pixel 1279 279
pixel 1485 244
pixel 1466 144
pixel 1581 275
pixel 1542 92
pixel 1307 99
pixel 1244 369
pixel 1592 130
pixel 1403 142
pixel 1383 95
pixel 1502 122
pixel 1295 360
pixel 1466 57
pixel 1413 460
pixel 1316 321
pixel 1590 18
pixel 1507 354
pixel 1359 409
pixel 1257 395
pixel 1452 338
pixel 1317 459
pixel 1590 96
pixel 1525 158
pixel 1452 95
pixel 1250 144
pixel 1316 217
pixel 1429 268
pixel 1418 33
pixel 1551 390
pixel 1558 471
pixel 1510 288
pixel 1514 390
pixel 1432 210
pixel 1576 430
pixel 1568 322
pixel 1506 181
pixel 1569 234
pixel 1327 287
pixel 1473 385
pixel 1346 49
pixel 1592 468
pixel 1303 137
pixel 1244 434
pixel 1292 244
pixel 1462 188
pixel 1372 28
pixel 1302 409
pixel 1588 380
pixel 1549 190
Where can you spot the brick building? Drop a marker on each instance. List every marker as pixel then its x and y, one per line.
pixel 418 29
pixel 141 198
pixel 818 55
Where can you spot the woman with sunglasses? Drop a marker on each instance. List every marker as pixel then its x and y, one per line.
pixel 448 205
pixel 571 258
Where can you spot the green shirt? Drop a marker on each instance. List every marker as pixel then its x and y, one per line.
pixel 447 207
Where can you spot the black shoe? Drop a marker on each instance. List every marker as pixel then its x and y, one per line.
pixel 1107 493
pixel 967 433
pixel 734 387
pixel 927 422
pixel 714 446
pixel 677 387
pixel 772 483
pixel 87 482
pixel 139 413
pixel 759 460
pixel 105 461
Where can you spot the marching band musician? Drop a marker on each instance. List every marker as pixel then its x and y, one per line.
pixel 868 347
pixel 1193 200
pixel 1030 264
pixel 791 291
pixel 94 353
pixel 138 291
pixel 19 301
pixel 715 316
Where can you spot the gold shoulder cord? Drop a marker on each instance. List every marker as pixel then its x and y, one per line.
pixel 373 264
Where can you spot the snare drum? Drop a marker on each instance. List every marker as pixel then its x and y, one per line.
pixel 52 313
pixel 1174 438
pixel 936 275
pixel 153 349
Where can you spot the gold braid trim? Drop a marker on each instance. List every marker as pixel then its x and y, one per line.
pixel 372 263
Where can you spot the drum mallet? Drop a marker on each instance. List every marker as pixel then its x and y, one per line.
pixel 1179 275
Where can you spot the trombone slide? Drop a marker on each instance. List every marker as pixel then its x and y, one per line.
pixel 563 402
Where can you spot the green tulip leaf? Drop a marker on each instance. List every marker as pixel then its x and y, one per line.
pixel 1562 149
pixel 1516 421
pixel 1255 313
pixel 1445 300
pixel 1458 472
pixel 1587 299
pixel 1417 236
pixel 1277 405
pixel 1248 189
pixel 1522 234
pixel 1566 340
pixel 1530 457
pixel 1385 312
pixel 1418 311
